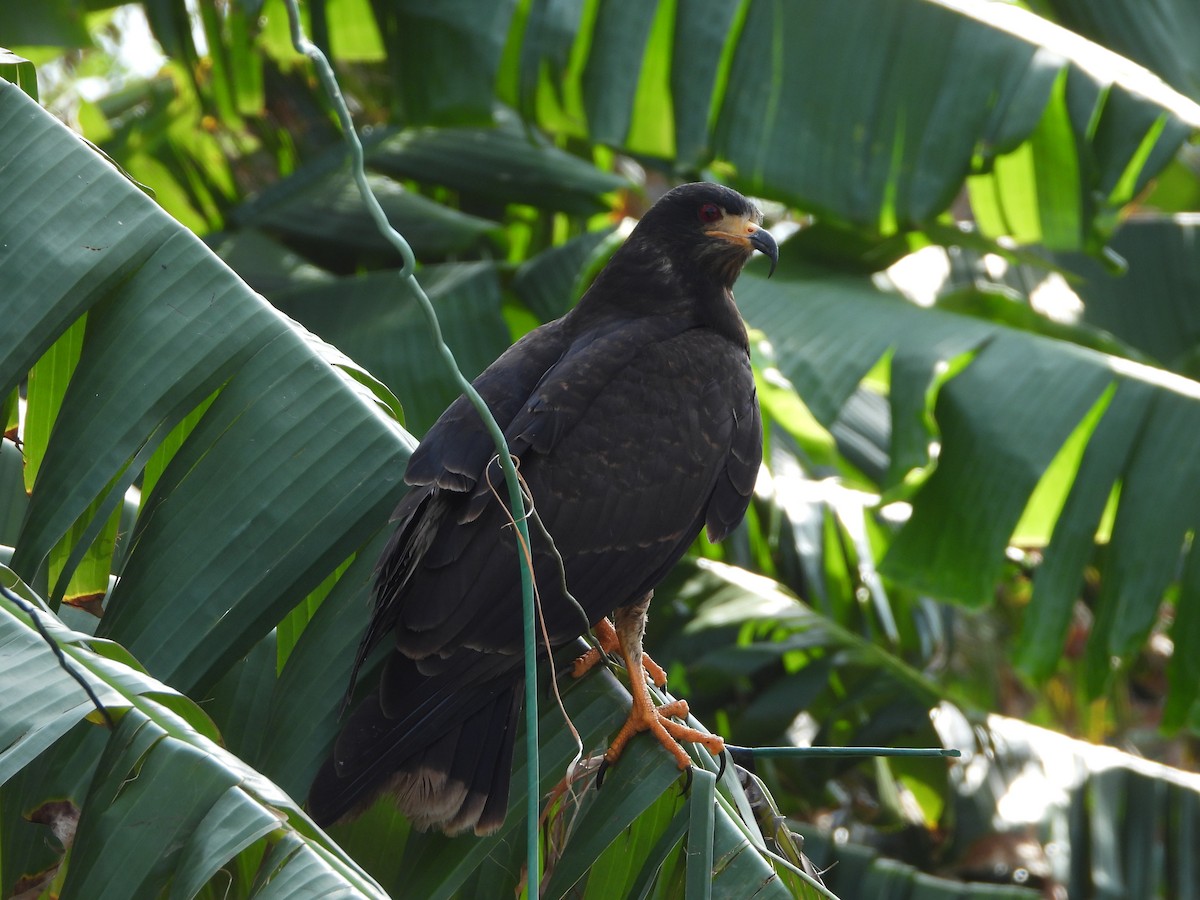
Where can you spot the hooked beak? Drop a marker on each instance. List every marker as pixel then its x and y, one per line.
pixel 745 232
pixel 761 240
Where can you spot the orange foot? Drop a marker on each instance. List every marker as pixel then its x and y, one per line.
pixel 660 721
pixel 629 626
pixel 607 636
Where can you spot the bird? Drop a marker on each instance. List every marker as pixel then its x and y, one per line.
pixel 635 425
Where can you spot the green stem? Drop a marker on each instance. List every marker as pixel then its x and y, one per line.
pixel 777 752
pixel 515 498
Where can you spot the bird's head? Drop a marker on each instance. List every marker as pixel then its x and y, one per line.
pixel 708 229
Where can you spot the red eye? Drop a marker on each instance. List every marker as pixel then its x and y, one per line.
pixel 710 212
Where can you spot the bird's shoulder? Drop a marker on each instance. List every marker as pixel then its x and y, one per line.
pixel 535 390
pixel 600 362
pixel 457 446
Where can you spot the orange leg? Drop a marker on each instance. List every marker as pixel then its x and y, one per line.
pixel 607 636
pixel 630 625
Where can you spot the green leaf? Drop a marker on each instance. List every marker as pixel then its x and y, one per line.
pixel 78 566
pixel 1184 668
pixel 234 822
pixel 954 544
pixel 376 319
pixel 657 859
pixel 19 71
pixel 1149 304
pixel 1033 194
pixel 146 361
pixel 42 155
pixel 699 67
pixel 40 702
pixel 507 163
pixel 133 794
pixel 873 114
pixel 46 384
pixel 161 782
pixel 610 812
pixel 551 282
pixel 544 56
pixel 319 210
pixel 1161 36
pixel 13 501
pixel 889 138
pixel 650 130
pixel 239 702
pixel 700 836
pixel 1160 490
pixel 613 873
pixel 305 705
pixel 325 476
pixel 353 34
pixel 55 23
pixel 828 330
pixel 265 264
pixel 999 306
pixel 174 326
pixel 245 63
pixel 444 56
pixel 1057 581
pixel 620 33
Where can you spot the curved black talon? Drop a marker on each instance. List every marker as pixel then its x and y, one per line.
pixel 687 782
pixel 721 769
pixel 601 771
pixel 741 756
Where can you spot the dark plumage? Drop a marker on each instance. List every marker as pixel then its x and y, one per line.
pixel 635 422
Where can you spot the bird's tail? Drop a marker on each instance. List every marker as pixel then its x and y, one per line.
pixel 448 767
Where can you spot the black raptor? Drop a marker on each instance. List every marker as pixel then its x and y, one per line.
pixel 635 423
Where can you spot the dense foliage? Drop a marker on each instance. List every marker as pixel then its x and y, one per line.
pixel 977 364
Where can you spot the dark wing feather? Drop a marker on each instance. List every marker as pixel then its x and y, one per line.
pixel 447 463
pixel 458 726
pixel 735 486
pixel 622 444
pixel 457 448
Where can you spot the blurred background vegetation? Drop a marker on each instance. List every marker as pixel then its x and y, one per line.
pixel 978 366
